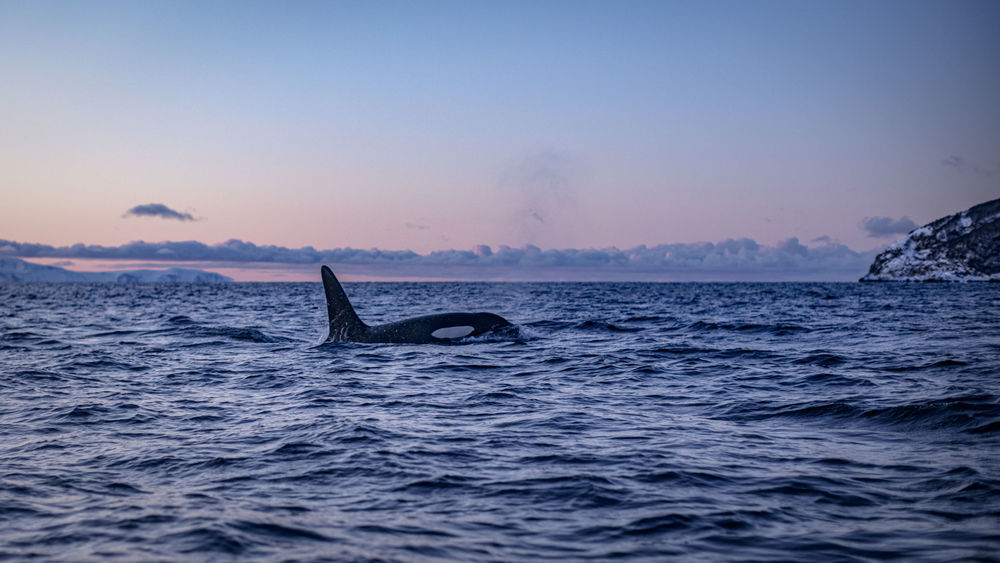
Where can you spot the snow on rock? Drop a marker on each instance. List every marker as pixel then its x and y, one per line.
pixel 16 270
pixel 961 247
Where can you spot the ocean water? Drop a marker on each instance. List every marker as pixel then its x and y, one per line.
pixel 751 422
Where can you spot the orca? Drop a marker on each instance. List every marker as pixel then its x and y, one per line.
pixel 346 326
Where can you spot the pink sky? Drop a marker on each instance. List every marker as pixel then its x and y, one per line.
pixel 334 125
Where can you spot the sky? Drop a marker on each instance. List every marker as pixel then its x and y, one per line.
pixel 562 126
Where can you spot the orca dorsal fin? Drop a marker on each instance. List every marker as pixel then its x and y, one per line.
pixel 344 322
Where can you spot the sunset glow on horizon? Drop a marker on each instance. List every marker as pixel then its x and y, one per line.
pixel 439 126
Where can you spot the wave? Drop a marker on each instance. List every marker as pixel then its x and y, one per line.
pixel 279 531
pixel 597 325
pixel 210 539
pixel 239 333
pixel 974 414
pixel 779 329
pixel 946 363
pixel 824 359
pixel 186 327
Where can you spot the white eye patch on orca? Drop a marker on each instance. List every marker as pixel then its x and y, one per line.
pixel 453 332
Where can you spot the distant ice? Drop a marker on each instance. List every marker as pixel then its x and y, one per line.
pixel 15 270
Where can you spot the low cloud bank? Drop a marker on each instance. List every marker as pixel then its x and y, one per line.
pixel 729 259
pixel 158 210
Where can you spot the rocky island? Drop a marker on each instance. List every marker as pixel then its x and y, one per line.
pixel 960 247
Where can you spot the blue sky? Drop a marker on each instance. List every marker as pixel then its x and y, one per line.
pixel 431 126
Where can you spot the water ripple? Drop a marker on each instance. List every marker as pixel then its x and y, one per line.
pixel 612 421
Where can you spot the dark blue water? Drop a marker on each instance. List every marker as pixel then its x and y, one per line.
pixel 644 421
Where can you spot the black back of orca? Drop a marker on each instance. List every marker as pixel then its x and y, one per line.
pixel 346 326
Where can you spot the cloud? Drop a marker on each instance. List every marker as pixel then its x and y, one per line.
pixel 883 227
pixel 539 189
pixel 954 161
pixel 961 164
pixel 233 250
pixel 732 259
pixel 158 210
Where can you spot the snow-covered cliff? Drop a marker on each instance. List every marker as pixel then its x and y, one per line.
pixel 961 247
pixel 16 270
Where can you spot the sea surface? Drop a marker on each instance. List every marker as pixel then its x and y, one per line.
pixel 694 422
